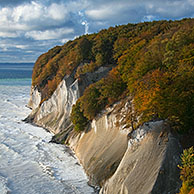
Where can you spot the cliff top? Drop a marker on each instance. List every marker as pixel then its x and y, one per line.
pixel 151 61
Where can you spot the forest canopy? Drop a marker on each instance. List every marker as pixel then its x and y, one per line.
pixel 152 61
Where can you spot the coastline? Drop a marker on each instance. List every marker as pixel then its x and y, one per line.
pixel 68 150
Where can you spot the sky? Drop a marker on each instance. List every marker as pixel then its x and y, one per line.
pixel 29 28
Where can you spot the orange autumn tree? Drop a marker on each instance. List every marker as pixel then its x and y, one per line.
pixel 147 94
pixel 154 65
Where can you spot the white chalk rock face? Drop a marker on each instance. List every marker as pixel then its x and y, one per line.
pixel 149 165
pixel 113 154
pixel 54 114
pixel 35 98
pixel 101 148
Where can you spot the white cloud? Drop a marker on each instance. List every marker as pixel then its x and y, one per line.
pixel 51 22
pixel 149 18
pixel 5 14
pixel 6 46
pixel 64 40
pixel 84 21
pixel 21 46
pixel 8 34
pixel 27 12
pixel 100 14
pixel 57 11
pixel 49 34
pixel 134 11
pixel 86 24
pixel 39 12
pixel 109 10
pixel 31 16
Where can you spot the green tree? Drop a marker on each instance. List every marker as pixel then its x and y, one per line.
pixel 78 119
pixel 90 102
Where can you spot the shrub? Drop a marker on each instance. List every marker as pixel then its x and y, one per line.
pixel 155 66
pixel 78 119
pixel 187 171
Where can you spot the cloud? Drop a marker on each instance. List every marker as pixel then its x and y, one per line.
pixel 108 10
pixel 32 16
pixel 8 34
pixel 84 22
pixel 49 34
pixel 135 11
pixel 12 47
pixel 100 14
pixel 21 46
pixel 42 24
pixel 57 12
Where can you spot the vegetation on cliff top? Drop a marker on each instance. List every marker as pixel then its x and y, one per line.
pixel 152 61
pixel 187 171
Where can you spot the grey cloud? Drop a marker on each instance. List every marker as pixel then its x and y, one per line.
pixel 164 8
pixel 12 2
pixel 38 25
pixel 102 14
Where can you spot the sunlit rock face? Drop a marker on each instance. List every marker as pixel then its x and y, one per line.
pixel 121 160
pixel 35 98
pixel 101 148
pixel 149 164
pixel 114 156
pixel 54 113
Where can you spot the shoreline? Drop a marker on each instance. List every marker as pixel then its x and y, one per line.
pixel 68 150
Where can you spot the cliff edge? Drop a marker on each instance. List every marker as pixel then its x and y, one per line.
pixel 115 157
pixel 117 98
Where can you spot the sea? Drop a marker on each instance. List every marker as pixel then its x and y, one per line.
pixel 29 163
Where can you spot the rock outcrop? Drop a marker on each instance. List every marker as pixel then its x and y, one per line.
pixel 101 148
pixel 35 98
pixel 149 164
pixel 115 157
pixel 54 113
pixel 124 161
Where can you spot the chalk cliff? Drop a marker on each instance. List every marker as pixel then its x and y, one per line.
pixel 54 113
pixel 35 98
pixel 149 164
pixel 135 84
pixel 115 157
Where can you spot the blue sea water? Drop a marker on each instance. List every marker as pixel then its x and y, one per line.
pixel 29 164
pixel 16 73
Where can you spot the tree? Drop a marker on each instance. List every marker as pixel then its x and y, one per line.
pixel 78 119
pixel 90 102
pixel 187 170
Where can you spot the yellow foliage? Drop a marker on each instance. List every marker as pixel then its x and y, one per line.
pixel 192 191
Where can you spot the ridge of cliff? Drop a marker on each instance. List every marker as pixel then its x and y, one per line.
pixel 54 113
pixel 119 159
pixel 132 87
pixel 149 164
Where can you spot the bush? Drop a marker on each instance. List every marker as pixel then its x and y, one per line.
pixel 90 102
pixel 187 171
pixel 155 66
pixel 78 119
